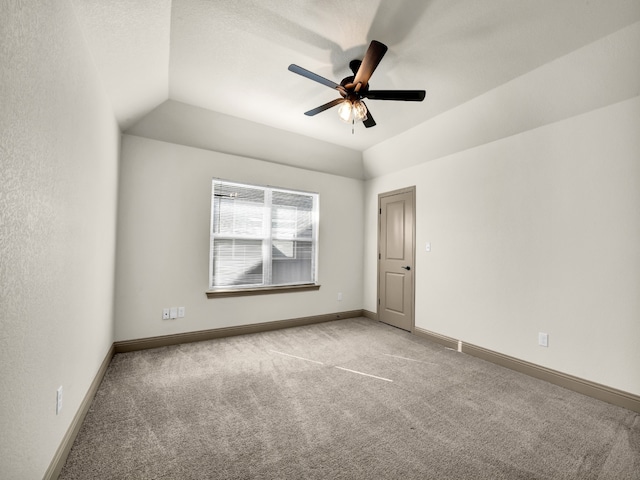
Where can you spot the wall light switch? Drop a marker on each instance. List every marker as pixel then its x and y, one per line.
pixel 173 313
pixel 180 312
pixel 165 314
pixel 428 247
pixel 340 296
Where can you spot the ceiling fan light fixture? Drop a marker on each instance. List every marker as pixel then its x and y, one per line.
pixel 345 111
pixel 352 110
pixel 359 111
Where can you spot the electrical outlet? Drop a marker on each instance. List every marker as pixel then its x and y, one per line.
pixel 181 312
pixel 59 400
pixel 165 314
pixel 543 339
pixel 173 313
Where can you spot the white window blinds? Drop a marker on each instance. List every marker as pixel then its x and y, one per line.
pixel 262 236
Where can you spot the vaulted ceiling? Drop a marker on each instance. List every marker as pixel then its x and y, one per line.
pixel 231 56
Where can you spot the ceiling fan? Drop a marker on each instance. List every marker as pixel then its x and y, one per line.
pixel 354 88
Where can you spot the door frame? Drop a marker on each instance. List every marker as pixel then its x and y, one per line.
pixel 412 190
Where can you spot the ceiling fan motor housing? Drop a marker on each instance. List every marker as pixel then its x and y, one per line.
pixel 351 92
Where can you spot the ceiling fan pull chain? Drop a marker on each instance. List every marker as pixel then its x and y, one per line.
pixel 353 126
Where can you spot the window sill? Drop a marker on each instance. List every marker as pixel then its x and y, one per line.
pixel 244 292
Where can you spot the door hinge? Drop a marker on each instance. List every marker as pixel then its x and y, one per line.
pixel 380 212
pixel 379 256
pixel 378 301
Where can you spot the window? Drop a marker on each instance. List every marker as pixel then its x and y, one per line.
pixel 261 236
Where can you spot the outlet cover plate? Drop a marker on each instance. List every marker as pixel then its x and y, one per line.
pixel 59 400
pixel 543 339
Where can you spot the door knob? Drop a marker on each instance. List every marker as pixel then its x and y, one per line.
pixel 406 267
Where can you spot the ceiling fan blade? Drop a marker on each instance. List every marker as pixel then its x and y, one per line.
pixel 371 59
pixel 369 121
pixel 405 95
pixel 324 107
pixel 313 76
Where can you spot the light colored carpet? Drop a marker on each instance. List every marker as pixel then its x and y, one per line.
pixel 350 399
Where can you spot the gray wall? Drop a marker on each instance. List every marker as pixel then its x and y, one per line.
pixel 58 193
pixel 535 231
pixel 163 240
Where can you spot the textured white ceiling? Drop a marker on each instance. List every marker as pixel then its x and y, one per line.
pixel 231 56
pixel 129 41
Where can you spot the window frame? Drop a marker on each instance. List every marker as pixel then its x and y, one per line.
pixel 268 238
